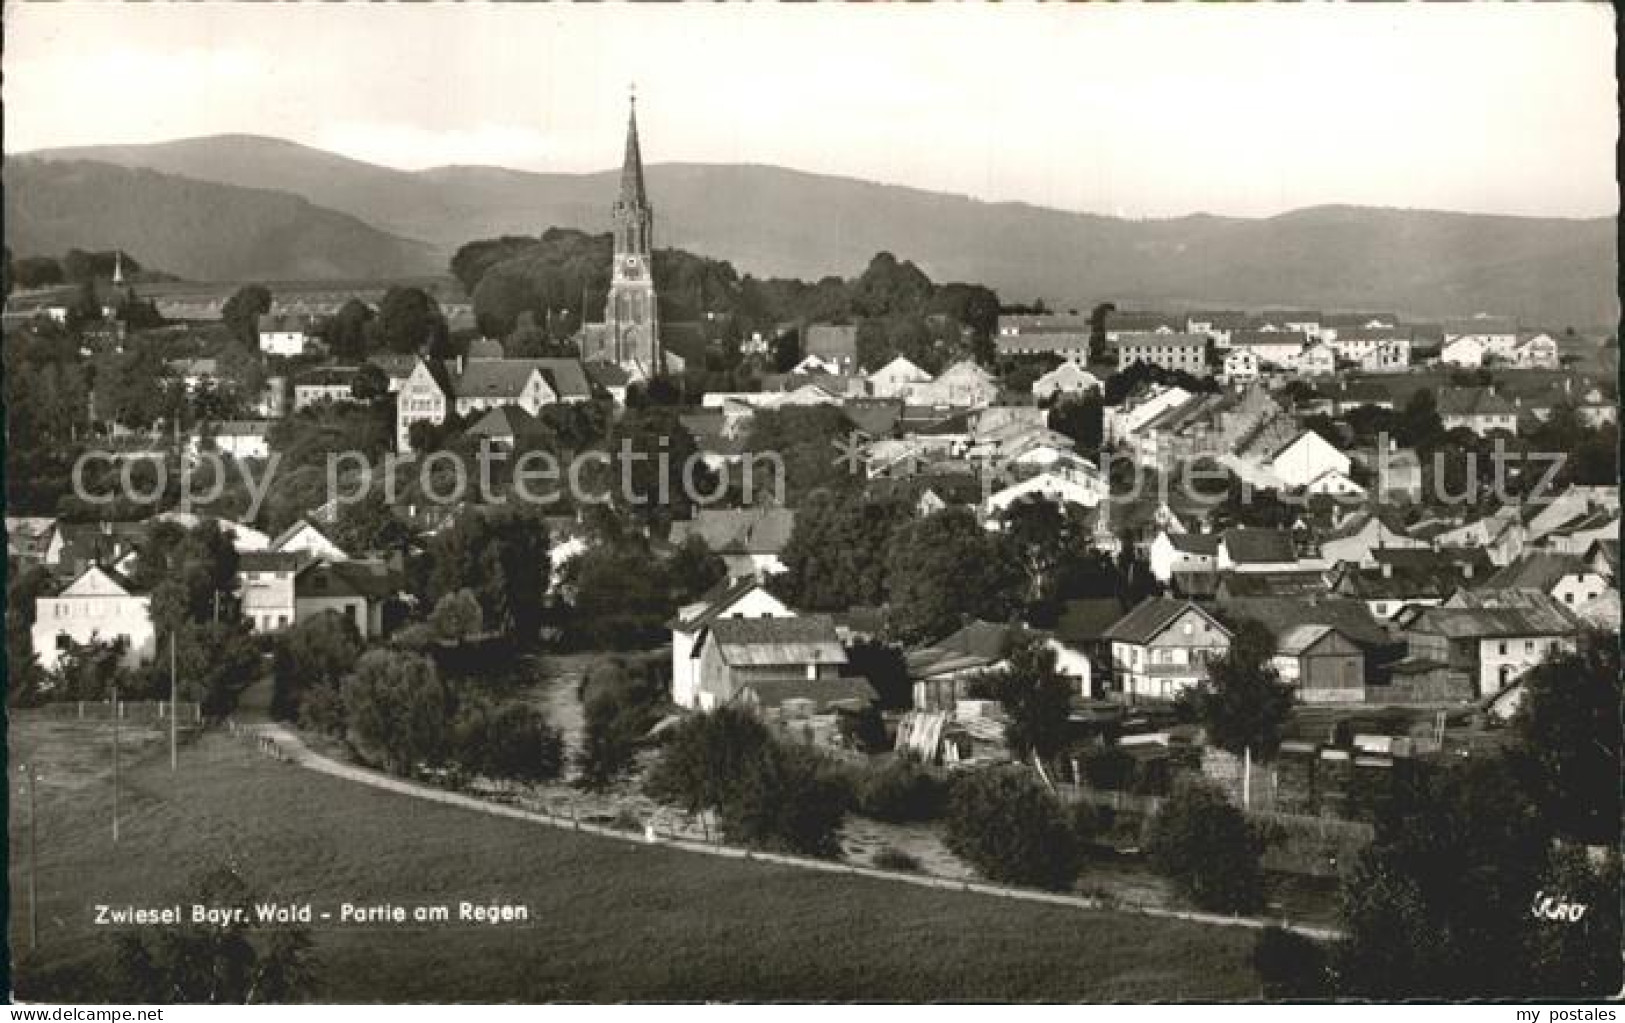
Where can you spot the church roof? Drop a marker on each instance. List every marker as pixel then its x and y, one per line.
pixel 632 191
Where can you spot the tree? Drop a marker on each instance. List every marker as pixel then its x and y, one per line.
pixel 84 307
pixel 1012 829
pixel 396 705
pixel 242 311
pixel 198 578
pixel 946 568
pixel 620 706
pixel 370 383
pixel 1439 902
pixel 1243 703
pixel 1205 846
pixel 369 524
pixel 807 439
pixel 1082 419
pixel 316 653
pixel 347 332
pixel 788 799
pixel 786 352
pixel 409 320
pixel 1036 702
pixel 704 757
pixel 512 741
pixel 620 594
pixel 1568 725
pixel 886 669
pixel 836 555
pixel 693 569
pixel 502 555
pixel 230 962
pixel 456 617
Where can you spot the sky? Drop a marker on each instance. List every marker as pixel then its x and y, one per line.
pixel 1130 110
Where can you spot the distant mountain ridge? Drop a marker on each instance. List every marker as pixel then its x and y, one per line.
pixel 771 221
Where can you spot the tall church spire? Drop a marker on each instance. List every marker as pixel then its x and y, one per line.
pixel 632 193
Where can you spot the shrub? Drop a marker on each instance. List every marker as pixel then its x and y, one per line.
pixel 1289 964
pixel 512 741
pixel 621 703
pixel 863 730
pixel 1012 829
pixel 1089 821
pixel 889 858
pixel 1109 768
pixel 788 799
pixel 766 793
pixel 900 791
pixel 1206 847
pixel 396 705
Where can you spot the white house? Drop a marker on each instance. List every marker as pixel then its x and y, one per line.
pixel 897 378
pixel 240 439
pixel 1308 457
pixel 101 604
pixel 1537 352
pixel 305 536
pixel 1240 366
pixel 744 599
pixel 1066 379
pixel 1467 352
pixel 1172 553
pixel 1333 483
pixel 265 585
pixel 1072 488
pixel 1496 335
pixel 283 334
pixel 1317 361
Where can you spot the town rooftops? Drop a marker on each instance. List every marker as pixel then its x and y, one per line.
pixel 270 561
pixel 282 323
pixel 1047 341
pixel 1537 570
pixel 713 603
pixel 1199 544
pixel 1046 323
pixel 1351 617
pixel 1154 614
pixel 1295 639
pixel 1132 321
pixel 760 642
pixel 326 376
pixel 506 421
pixel 1521 615
pixel 370 579
pixel 1248 338
pixel 1251 546
pixel 739 530
pixel 240 428
pixel 1472 401
pixel 1175 339
pixel 831 340
pixel 976 646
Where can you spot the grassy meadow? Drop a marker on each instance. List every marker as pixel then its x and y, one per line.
pixel 608 921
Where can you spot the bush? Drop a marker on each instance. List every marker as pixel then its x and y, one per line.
pixel 621 703
pixel 789 799
pixel 1012 829
pixel 1289 965
pixel 766 793
pixel 900 791
pixel 863 730
pixel 396 705
pixel 896 859
pixel 1108 768
pixel 1205 846
pixel 512 741
pixel 1090 822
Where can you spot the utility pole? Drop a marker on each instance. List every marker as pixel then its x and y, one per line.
pixel 33 862
pixel 174 704
pixel 115 761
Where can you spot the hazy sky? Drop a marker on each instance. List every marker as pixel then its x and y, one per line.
pixel 1137 111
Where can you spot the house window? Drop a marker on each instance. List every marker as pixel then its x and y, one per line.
pixel 1501 648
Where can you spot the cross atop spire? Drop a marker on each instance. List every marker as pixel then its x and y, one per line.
pixel 632 192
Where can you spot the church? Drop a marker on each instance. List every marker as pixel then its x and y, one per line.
pixel 630 334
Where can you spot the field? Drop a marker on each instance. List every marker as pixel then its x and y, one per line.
pixel 609 921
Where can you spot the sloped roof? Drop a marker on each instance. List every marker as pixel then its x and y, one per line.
pixel 1298 638
pixel 1537 570
pixel 978 645
pixel 1268 584
pixel 715 601
pixel 1490 621
pixel 746 642
pixel 739 530
pixel 1351 617
pixel 1201 544
pixel 505 421
pixel 1471 401
pixel 831 340
pixel 1246 338
pixel 606 374
pixel 370 579
pixel 1154 614
pixel 877 417
pixel 270 561
pixel 1176 339
pixel 1259 546
pixel 396 365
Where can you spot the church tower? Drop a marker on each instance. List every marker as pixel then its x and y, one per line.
pixel 631 317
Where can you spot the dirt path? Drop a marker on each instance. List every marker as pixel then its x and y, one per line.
pixel 285 744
